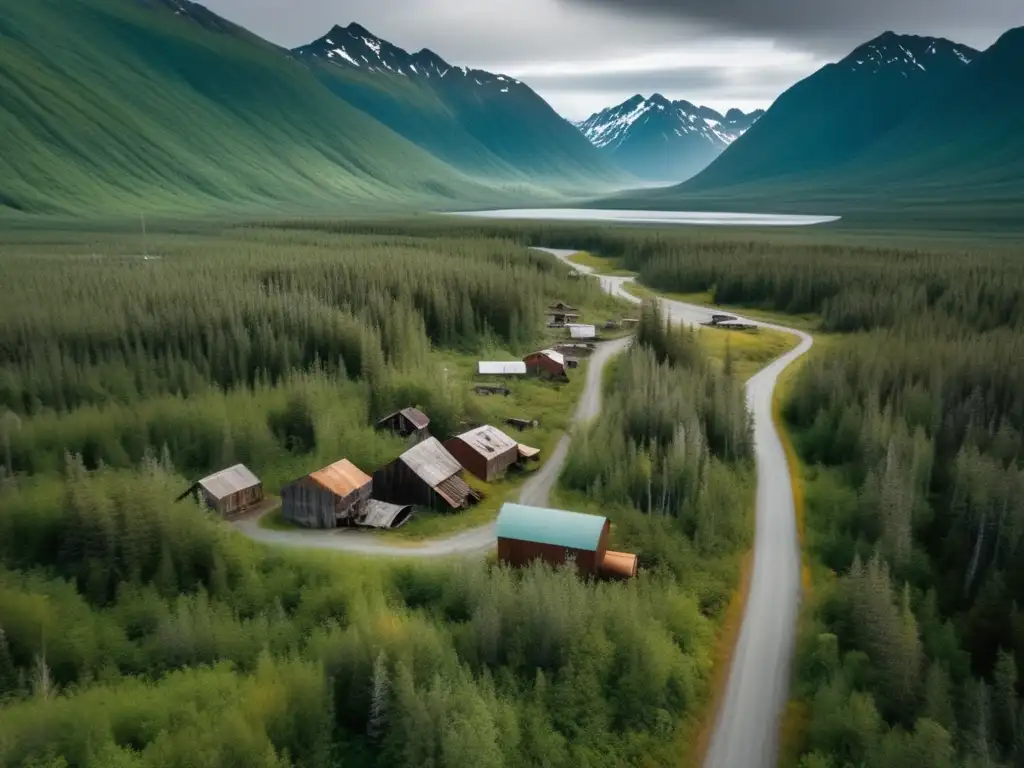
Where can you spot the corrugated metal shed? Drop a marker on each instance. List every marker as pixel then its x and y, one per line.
pixel 550 526
pixel 527 452
pixel 619 565
pixel 502 368
pixel 582 331
pixel 431 462
pixel 488 440
pixel 342 477
pixel 222 484
pixel 558 357
pixel 380 514
pixel 416 417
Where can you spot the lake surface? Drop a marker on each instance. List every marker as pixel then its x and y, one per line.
pixel 654 217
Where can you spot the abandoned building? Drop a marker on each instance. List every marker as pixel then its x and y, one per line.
pixel 561 313
pixel 579 331
pixel 328 498
pixel 408 422
pixel 381 514
pixel 501 368
pixel 228 492
pixel 425 475
pixel 554 536
pixel 487 452
pixel 546 363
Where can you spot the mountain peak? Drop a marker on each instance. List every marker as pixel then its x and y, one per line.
pixel 907 55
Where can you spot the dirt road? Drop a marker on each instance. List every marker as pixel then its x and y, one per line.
pixel 747 726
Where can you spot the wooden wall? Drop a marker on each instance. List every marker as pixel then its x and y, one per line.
pixel 307 503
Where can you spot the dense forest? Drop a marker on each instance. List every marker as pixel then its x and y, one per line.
pixel 909 415
pixel 136 631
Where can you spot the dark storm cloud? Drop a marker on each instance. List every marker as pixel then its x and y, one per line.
pixel 832 25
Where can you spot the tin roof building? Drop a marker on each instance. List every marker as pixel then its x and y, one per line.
pixel 406 422
pixel 486 451
pixel 427 474
pixel 529 533
pixel 229 491
pixel 579 331
pixel 501 368
pixel 328 498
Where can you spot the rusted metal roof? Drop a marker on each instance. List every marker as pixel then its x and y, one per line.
pixel 454 490
pixel 340 478
pixel 488 441
pixel 505 368
pixel 416 417
pixel 527 452
pixel 381 514
pixel 222 484
pixel 431 462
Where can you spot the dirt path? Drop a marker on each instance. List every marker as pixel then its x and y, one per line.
pixel 747 726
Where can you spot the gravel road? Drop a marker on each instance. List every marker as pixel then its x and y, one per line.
pixel 747 726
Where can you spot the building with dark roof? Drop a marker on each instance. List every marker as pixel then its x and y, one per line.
pixel 230 491
pixel 408 422
pixel 555 536
pixel 428 475
pixel 328 498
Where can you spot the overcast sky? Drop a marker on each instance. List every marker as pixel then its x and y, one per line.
pixel 584 55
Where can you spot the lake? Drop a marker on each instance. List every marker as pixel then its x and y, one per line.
pixel 654 217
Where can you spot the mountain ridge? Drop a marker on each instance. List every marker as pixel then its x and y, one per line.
pixel 658 139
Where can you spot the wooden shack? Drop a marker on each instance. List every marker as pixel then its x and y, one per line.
pixel 328 498
pixel 554 536
pixel 228 492
pixel 425 475
pixel 408 422
pixel 547 363
pixel 486 451
pixel 561 313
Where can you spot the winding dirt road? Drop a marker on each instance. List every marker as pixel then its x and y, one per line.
pixel 747 726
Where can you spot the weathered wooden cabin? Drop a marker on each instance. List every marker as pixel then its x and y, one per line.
pixel 408 422
pixel 547 363
pixel 554 536
pixel 561 313
pixel 328 498
pixel 486 451
pixel 425 475
pixel 228 492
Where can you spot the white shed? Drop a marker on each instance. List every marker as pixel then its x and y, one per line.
pixel 501 368
pixel 578 331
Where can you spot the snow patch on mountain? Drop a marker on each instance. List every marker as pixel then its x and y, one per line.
pixel 908 55
pixel 355 46
pixel 611 127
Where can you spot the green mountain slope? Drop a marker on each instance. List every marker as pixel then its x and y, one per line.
pixel 121 105
pixel 953 153
pixel 479 122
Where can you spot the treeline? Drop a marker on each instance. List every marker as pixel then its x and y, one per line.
pixel 674 439
pixel 140 632
pixel 257 305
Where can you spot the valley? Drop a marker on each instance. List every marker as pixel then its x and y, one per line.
pixel 449 405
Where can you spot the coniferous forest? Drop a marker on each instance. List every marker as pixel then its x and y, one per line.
pixel 140 631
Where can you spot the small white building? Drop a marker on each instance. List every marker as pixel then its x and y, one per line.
pixel 501 368
pixel 578 331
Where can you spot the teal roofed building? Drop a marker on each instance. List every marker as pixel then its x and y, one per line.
pixel 528 533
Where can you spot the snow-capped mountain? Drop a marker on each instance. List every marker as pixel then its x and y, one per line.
pixel 833 116
pixel 907 55
pixel 356 47
pixel 662 140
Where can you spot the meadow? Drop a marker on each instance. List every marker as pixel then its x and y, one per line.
pixel 140 631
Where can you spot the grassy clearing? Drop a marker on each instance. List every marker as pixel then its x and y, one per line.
pixel 750 350
pixel 601 265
